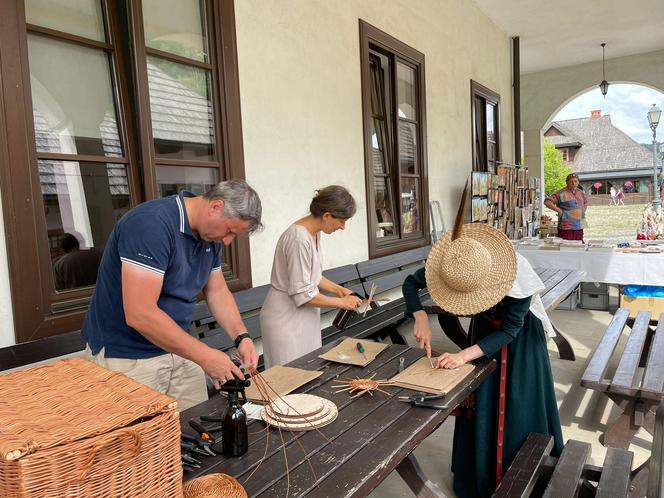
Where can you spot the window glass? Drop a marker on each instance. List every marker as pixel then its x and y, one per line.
pixel 78 17
pixel 82 202
pixel 406 92
pixel 73 111
pixel 181 108
pixel 407 147
pixel 384 208
pixel 490 122
pixel 378 147
pixel 172 179
pixel 175 26
pixel 410 199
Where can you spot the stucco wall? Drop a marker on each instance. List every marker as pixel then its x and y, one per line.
pixel 299 65
pixel 301 104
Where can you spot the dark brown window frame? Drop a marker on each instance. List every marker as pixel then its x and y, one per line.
pixel 488 96
pixel 30 276
pixel 372 38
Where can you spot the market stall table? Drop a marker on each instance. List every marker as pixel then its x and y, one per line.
pixel 372 436
pixel 605 267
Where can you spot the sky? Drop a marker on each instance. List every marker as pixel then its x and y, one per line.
pixel 628 106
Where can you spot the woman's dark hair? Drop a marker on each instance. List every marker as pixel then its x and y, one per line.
pixel 335 200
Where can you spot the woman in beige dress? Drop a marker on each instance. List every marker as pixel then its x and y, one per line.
pixel 290 316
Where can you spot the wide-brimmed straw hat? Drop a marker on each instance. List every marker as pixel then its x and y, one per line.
pixel 471 268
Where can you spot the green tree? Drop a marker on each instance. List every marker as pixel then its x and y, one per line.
pixel 555 169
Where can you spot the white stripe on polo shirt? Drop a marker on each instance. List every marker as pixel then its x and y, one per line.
pixel 177 199
pixel 142 265
pixel 216 268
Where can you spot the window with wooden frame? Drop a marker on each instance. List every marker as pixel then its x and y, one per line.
pixel 485 113
pixel 114 103
pixel 393 100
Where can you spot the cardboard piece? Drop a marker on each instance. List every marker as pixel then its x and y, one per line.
pixel 421 377
pixel 346 352
pixel 281 379
pixel 643 303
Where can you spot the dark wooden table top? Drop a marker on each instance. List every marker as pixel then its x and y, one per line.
pixel 348 457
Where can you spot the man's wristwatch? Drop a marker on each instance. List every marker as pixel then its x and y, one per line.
pixel 240 338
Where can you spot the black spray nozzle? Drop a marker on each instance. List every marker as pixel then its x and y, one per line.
pixel 235 385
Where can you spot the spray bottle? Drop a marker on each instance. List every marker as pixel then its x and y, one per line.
pixel 234 425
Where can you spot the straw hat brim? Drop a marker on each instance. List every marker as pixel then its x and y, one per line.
pixel 497 283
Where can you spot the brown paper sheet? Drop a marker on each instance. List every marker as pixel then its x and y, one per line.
pixel 421 377
pixel 346 352
pixel 281 380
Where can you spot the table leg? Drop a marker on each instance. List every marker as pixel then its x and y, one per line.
pixel 564 347
pixel 410 471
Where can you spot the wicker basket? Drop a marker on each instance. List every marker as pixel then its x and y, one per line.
pixel 214 486
pixel 74 429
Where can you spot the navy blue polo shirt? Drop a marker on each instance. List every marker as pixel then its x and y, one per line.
pixel 156 237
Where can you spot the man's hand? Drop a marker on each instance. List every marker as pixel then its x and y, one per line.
pixel 248 354
pixel 422 331
pixel 220 368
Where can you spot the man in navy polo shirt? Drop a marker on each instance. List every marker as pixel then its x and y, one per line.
pixel 160 255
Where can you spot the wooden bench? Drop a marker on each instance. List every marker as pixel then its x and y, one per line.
pixel 48 348
pixel 637 392
pixel 386 274
pixel 559 285
pixel 567 476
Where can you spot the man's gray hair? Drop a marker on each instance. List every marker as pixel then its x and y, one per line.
pixel 240 201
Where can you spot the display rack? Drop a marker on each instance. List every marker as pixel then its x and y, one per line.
pixel 508 200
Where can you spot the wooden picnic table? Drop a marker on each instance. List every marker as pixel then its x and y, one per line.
pixel 636 386
pixel 372 436
pixel 558 285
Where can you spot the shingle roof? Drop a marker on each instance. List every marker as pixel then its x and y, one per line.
pixel 603 145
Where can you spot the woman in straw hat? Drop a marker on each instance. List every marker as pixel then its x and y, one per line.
pixel 474 271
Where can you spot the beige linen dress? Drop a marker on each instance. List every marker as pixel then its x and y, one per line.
pixel 290 329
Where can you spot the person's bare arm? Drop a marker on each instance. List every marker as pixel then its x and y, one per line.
pixel 328 286
pixel 346 303
pixel 551 205
pixel 224 309
pixel 455 360
pixel 140 293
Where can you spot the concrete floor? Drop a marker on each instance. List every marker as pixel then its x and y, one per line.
pixel 584 413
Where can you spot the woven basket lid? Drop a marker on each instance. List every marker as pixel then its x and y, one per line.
pixel 472 273
pixel 69 400
pixel 214 486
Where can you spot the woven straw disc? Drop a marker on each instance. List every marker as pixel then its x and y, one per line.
pixel 214 486
pixel 304 423
pixel 472 273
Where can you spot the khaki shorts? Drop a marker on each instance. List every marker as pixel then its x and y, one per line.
pixel 169 374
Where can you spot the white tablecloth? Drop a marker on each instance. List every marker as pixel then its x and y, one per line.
pixel 611 268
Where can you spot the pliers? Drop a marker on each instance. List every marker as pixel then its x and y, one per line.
pixel 199 442
pixel 424 401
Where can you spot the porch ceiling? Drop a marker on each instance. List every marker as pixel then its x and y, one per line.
pixel 569 32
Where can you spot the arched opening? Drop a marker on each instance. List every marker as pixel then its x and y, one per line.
pixel 608 143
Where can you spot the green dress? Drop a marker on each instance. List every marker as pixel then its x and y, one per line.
pixel 530 400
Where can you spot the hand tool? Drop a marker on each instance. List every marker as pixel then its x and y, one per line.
pixel 431 362
pixel 402 364
pixel 360 348
pixel 424 401
pixel 190 460
pixel 201 443
pixel 194 448
pixel 203 432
